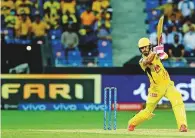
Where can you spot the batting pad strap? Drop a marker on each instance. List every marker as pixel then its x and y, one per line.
pixel 147 114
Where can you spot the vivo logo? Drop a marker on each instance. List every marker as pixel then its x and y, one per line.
pixel 63 107
pixel 93 107
pixel 186 89
pixel 34 107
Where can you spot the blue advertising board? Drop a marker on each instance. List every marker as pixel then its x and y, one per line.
pixel 60 107
pixel 133 88
pixel 81 92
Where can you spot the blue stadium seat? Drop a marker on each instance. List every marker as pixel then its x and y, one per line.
pixel 60 62
pixel 152 25
pixel 103 45
pixel 55 33
pixel 56 50
pixel 9 38
pixel 105 64
pixel 59 57
pixel 105 53
pixel 151 17
pixel 105 58
pixel 24 42
pixel 9 41
pixel 61 54
pixel 164 1
pixel 56 44
pixel 10 33
pixel 152 4
pixel 74 58
pixel 21 41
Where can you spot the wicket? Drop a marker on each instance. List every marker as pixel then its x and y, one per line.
pixel 108 107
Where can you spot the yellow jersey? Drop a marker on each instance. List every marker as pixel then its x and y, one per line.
pixel 39 30
pixel 68 6
pixel 155 71
pixel 96 6
pixel 23 28
pixel 54 7
pixel 10 20
pixel 23 6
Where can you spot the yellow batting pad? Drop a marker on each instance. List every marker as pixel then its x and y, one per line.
pixel 180 115
pixel 177 104
pixel 139 118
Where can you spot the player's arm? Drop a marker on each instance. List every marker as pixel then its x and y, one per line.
pixel 149 58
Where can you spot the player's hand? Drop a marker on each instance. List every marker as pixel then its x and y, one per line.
pixel 163 56
pixel 158 49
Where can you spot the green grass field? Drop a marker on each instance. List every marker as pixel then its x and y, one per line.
pixel 78 124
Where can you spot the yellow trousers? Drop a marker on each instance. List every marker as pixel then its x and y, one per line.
pixel 155 93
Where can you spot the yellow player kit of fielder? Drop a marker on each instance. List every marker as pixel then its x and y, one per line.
pixel 160 86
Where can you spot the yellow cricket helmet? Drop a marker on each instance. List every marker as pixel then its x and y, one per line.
pixel 144 42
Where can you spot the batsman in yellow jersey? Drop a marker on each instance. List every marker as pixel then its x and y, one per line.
pixel 160 85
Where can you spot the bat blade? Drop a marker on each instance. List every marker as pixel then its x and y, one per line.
pixel 159 30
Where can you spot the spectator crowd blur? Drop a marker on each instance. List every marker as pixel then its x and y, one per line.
pixel 179 29
pixel 78 31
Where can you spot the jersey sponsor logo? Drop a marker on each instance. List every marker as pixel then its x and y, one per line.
pixel 153 94
pixel 157 68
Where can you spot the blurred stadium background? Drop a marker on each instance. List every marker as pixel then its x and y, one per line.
pixel 58 55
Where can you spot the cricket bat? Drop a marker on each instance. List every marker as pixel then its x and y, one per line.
pixel 159 30
pixel 160 47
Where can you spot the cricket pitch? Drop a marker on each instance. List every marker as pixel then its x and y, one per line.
pixel 149 133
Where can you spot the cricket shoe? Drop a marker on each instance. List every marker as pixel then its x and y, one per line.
pixel 131 127
pixel 183 128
